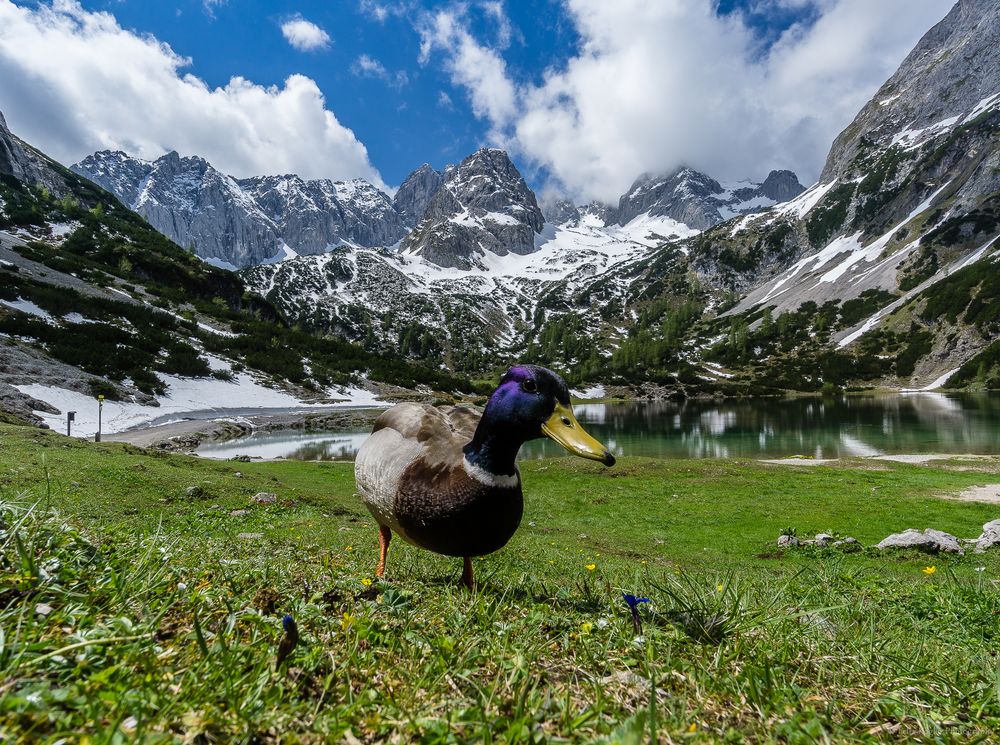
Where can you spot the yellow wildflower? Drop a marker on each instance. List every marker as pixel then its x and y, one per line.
pixel 693 727
pixel 347 621
pixel 718 588
pixel 929 570
pixel 590 567
pixel 586 627
pixel 350 548
pixel 366 582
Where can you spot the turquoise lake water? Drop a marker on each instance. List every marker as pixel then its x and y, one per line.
pixel 753 428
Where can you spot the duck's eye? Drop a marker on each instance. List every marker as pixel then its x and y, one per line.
pixel 529 385
pixel 566 421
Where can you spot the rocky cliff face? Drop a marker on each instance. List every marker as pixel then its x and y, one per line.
pixel 954 71
pixel 247 221
pixel 415 194
pixel 314 216
pixel 25 164
pixel 483 206
pixel 559 211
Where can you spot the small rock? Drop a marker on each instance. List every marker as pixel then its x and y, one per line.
pixel 241 459
pixel 195 492
pixel 787 541
pixel 635 684
pixel 239 513
pixel 809 542
pixel 238 475
pixel 930 541
pixel 250 536
pixel 823 539
pixel 75 484
pixel 264 497
pixel 43 609
pixel 850 540
pixel 990 536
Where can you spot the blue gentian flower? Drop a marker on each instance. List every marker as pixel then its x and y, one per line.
pixel 632 601
pixel 633 605
pixel 289 640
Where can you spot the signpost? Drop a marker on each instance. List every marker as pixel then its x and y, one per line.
pixel 100 411
pixel 70 418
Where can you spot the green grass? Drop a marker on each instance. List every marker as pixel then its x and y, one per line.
pixel 129 610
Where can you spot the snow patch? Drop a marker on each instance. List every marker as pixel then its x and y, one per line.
pixel 26 306
pixel 183 395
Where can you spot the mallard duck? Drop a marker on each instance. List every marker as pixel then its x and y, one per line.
pixel 445 478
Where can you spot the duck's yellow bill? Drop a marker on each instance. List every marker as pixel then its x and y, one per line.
pixel 564 429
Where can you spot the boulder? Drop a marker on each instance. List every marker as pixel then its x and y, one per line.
pixel 787 541
pixel 264 497
pixel 990 536
pixel 823 539
pixel 195 492
pixel 929 541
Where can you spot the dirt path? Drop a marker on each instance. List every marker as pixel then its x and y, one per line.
pixel 990 494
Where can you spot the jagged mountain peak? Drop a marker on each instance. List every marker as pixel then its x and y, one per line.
pixel 482 205
pixel 241 222
pixel 781 186
pixel 698 200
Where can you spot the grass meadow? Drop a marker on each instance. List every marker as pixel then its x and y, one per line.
pixel 133 610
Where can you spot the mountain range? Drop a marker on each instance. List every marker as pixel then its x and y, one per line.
pixel 448 217
pixel 881 274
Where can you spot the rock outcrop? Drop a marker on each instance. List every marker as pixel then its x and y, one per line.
pixel 24 163
pixel 415 194
pixel 929 541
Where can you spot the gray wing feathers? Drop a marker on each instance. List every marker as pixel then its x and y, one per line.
pixel 403 434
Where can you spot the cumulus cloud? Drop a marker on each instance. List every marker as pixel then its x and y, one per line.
pixel 74 81
pixel 478 68
pixel 304 35
pixel 654 85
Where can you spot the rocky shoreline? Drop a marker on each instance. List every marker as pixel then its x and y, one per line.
pixel 186 436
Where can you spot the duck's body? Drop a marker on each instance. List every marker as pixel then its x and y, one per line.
pixel 413 476
pixel 445 479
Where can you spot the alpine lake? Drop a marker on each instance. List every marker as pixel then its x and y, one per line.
pixel 852 425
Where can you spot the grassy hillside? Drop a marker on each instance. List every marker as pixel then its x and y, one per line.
pixel 133 609
pixel 109 246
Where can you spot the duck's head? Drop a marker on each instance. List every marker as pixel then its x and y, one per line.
pixel 533 402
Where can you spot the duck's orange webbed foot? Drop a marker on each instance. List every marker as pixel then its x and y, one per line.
pixel 384 536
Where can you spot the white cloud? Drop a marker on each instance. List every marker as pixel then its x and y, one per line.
pixel 478 68
pixel 366 66
pixel 304 35
pixel 657 84
pixel 74 81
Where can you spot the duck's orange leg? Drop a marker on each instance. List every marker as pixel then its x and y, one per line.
pixel 468 580
pixel 384 536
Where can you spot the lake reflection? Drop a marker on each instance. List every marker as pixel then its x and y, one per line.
pixel 753 428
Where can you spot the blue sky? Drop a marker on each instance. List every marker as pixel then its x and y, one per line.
pixel 585 94
pixel 402 124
